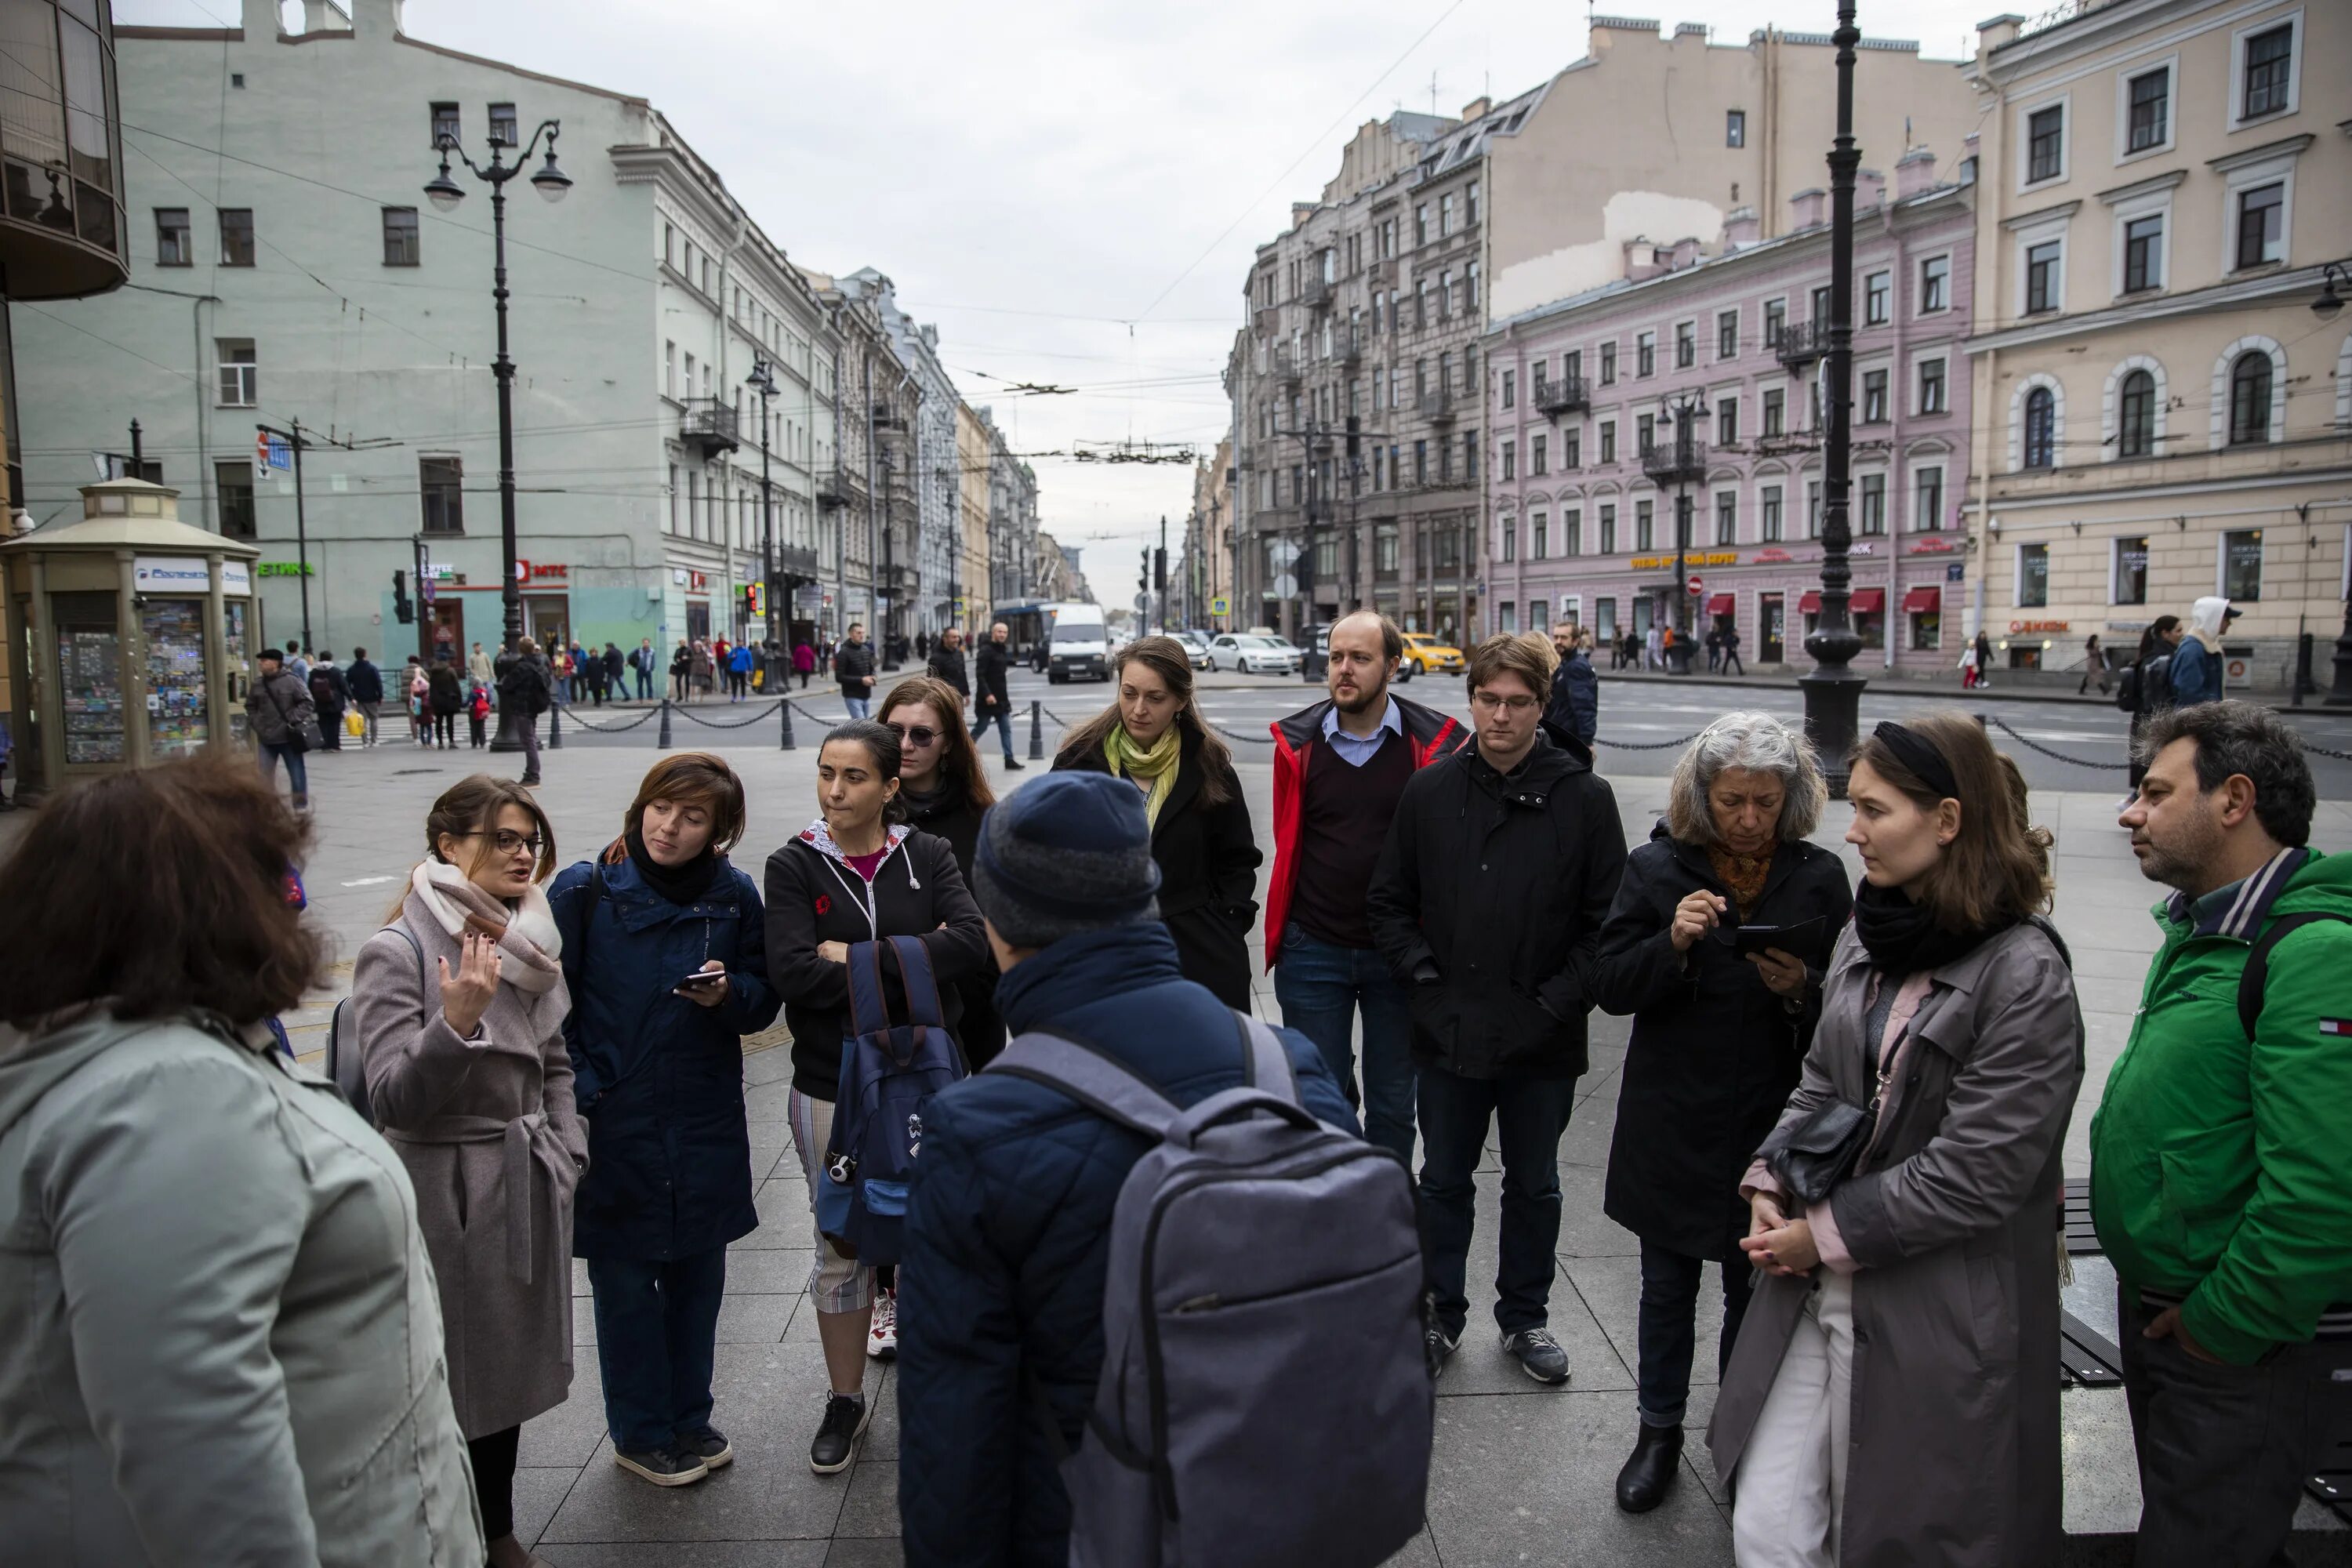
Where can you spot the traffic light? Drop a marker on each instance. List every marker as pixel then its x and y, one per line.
pixel 403 610
pixel 754 593
pixel 1143 578
pixel 1160 569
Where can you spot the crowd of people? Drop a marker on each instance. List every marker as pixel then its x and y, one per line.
pixel 248 1328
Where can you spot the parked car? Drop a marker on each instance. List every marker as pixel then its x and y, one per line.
pixel 1252 654
pixel 1196 644
pixel 1425 655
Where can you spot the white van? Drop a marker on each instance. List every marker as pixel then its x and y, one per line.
pixel 1078 642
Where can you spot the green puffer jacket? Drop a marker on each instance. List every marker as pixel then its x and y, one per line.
pixel 2217 1166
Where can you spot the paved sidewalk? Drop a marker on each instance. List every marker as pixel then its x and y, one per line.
pixel 1522 1474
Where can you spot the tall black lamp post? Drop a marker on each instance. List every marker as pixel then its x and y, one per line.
pixel 1684 462
pixel 2329 302
pixel 763 380
pixel 445 193
pixel 1832 691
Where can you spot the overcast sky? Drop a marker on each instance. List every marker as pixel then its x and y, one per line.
pixel 1072 191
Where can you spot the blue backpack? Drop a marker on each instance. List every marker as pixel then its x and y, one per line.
pixel 888 1070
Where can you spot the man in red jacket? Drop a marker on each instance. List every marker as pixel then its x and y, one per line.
pixel 1338 769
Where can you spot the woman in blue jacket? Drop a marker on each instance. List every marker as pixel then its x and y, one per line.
pixel 659 1058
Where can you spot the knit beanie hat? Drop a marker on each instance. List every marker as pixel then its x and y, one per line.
pixel 1069 853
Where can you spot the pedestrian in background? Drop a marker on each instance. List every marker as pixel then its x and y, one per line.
pixel 852 666
pixel 2218 1181
pixel 1984 659
pixel 480 669
pixel 857 873
pixel 1488 901
pixel 1152 736
pixel 614 685
pixel 1731 665
pixel 1573 709
pixel 365 681
pixel 657 1064
pixel 1949 1020
pixel 803 661
pixel 1718 1034
pixel 701 668
pixel 419 687
pixel 946 663
pixel 643 664
pixel 2148 689
pixel 204 1244
pixel 298 666
pixel 478 716
pixel 1654 647
pixel 681 671
pixel 330 694
pixel 2197 658
pixel 446 699
pixel 947 794
pixel 992 702
pixel 739 672
pixel 1340 771
pixel 280 712
pixel 2095 666
pixel 527 684
pixel 458 1009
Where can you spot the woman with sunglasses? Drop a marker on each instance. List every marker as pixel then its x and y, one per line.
pixel 459 1007
pixel 946 792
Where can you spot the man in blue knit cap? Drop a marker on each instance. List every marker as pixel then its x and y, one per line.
pixel 1008 1225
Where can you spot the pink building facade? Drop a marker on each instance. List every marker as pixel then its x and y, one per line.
pixel 1590 465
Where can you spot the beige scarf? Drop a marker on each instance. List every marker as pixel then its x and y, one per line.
pixel 525 932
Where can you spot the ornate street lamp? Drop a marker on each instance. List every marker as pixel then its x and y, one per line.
pixel 763 380
pixel 445 193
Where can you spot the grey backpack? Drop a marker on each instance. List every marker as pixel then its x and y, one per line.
pixel 1263 1301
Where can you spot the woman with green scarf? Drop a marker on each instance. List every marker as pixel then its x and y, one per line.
pixel 1201 835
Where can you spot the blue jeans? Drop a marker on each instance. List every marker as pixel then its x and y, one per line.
pixel 297 774
pixel 1000 717
pixel 859 706
pixel 1322 987
pixel 1530 1114
pixel 1669 1334
pixel 644 686
pixel 657 1324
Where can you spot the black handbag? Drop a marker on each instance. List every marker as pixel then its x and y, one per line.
pixel 1812 1156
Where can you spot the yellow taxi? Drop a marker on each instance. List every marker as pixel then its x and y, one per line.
pixel 1425 655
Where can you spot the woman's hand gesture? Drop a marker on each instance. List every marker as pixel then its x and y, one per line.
pixel 1783 973
pixel 1697 914
pixel 466 995
pixel 833 951
pixel 707 995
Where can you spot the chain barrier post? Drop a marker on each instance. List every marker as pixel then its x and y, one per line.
pixel 1036 730
pixel 784 708
pixel 1984 724
pixel 663 740
pixel 555 726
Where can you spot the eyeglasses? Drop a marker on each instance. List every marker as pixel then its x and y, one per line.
pixel 914 734
pixel 506 841
pixel 1488 701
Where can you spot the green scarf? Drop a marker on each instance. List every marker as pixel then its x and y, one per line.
pixel 1155 767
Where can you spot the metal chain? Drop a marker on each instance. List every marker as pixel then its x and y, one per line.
pixel 1648 745
pixel 2002 726
pixel 736 724
pixel 2324 752
pixel 608 729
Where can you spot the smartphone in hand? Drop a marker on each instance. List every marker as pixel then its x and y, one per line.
pixel 702 979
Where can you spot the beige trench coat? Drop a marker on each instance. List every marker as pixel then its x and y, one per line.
pixel 1953 1442
pixel 495 1149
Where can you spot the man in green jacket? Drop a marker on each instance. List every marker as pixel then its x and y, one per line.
pixel 2218 1181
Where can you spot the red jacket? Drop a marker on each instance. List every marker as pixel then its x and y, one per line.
pixel 1297 741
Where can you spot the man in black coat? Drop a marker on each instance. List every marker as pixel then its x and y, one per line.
pixel 1488 900
pixel 1575 706
pixel 853 666
pixel 947 661
pixel 993 705
pixel 365 681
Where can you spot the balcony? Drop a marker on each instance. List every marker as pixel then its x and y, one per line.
pixel 834 492
pixel 1565 396
pixel 1800 345
pixel 1676 462
pixel 1437 408
pixel 1285 367
pixel 1346 348
pixel 1314 291
pixel 708 427
pixel 1264 319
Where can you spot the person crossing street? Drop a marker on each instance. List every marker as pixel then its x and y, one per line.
pixel 991 704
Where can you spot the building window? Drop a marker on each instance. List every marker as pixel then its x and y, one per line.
pixel 1608 530
pixel 240 372
pixel 233 481
pixel 1685 344
pixel 2149 116
pixel 1812 509
pixel 1510 389
pixel 1607 441
pixel 1822 307
pixel 2262 230
pixel 2144 253
pixel 1727 334
pixel 2242 565
pixel 2270 70
pixel 1536 464
pixel 1609 364
pixel 400 237
pixel 2136 422
pixel 2042 276
pixel 174 247
pixel 1444 462
pixel 2032 576
pixel 1931 386
pixel 445 123
pixel 2131 570
pixel 442 483
pixel 1873 503
pixel 1421 224
pixel 1776 410
pixel 1571 365
pixel 1572 531
pixel 1510 460
pixel 1571 450
pixel 1727 518
pixel 1735 128
pixel 1727 420
pixel 237 237
pixel 1420 462
pixel 1645 353
pixel 504 131
pixel 1776 321
pixel 1935 284
pixel 2045 144
pixel 2041 428
pixel 1873 397
pixel 1540 536
pixel 1927 501
pixel 1877 299
pixel 2250 399
pixel 675 495
pixel 1644 525
pixel 1645 433
pixel 1768 514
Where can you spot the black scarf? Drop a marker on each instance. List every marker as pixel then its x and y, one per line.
pixel 1902 938
pixel 678 884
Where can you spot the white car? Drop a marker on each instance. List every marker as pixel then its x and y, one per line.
pixel 1253 655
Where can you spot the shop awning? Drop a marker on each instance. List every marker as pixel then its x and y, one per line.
pixel 1811 604
pixel 1868 601
pixel 1723 604
pixel 1923 601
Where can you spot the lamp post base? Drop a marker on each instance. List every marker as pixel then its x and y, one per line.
pixel 1833 704
pixel 2340 694
pixel 512 722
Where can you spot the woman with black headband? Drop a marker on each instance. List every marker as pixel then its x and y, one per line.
pixel 1894 1392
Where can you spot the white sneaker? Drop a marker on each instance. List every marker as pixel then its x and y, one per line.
pixel 882 1340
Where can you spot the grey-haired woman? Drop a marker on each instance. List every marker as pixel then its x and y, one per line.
pixel 1719 1034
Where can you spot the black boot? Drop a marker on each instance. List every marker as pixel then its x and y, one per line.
pixel 1657 1453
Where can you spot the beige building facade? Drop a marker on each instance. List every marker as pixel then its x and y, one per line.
pixel 2162 412
pixel 972 534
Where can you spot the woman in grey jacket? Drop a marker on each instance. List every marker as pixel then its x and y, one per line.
pixel 458 1008
pixel 221 1340
pixel 1893 1398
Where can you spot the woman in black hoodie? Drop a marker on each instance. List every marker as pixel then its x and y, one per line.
pixel 858 873
pixel 947 794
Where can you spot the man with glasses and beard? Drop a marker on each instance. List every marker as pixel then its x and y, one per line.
pixel 1340 768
